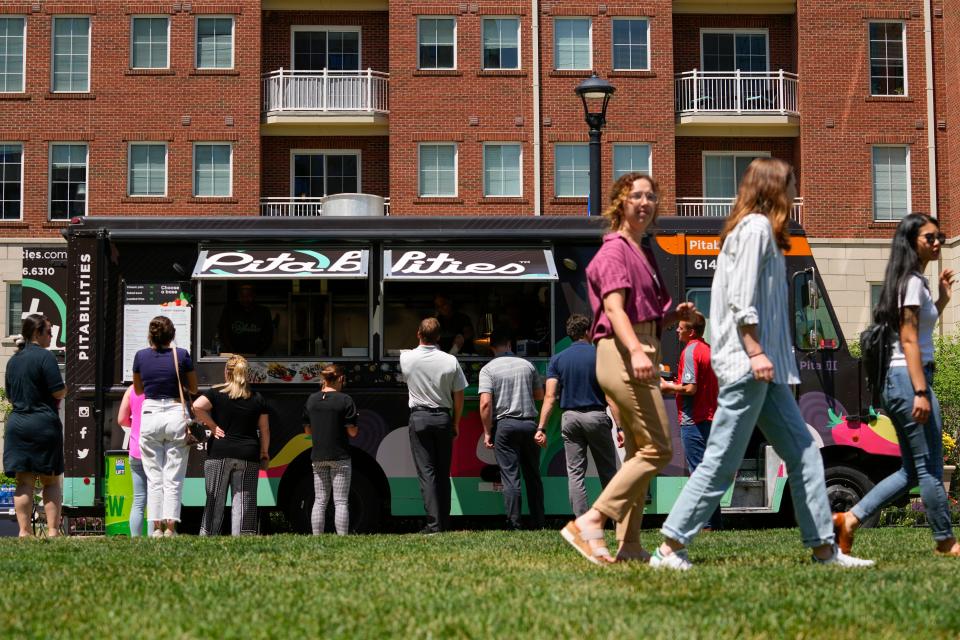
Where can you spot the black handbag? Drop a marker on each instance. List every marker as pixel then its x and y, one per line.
pixel 876 347
pixel 196 431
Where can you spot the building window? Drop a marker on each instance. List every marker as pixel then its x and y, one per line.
pixel 11 181
pixel 631 44
pixel 150 43
pixel 214 43
pixel 437 39
pixel 501 43
pixel 438 170
pixel 571 174
pixel 888 71
pixel 320 173
pixel 875 290
pixel 628 158
pixel 317 48
pixel 212 170
pixel 68 180
pixel 737 51
pixel 571 43
pixel 501 171
pixel 15 308
pixel 722 172
pixel 71 54
pixel 12 40
pixel 148 169
pixel 891 182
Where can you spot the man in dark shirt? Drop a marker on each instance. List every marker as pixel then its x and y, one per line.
pixel 456 330
pixel 245 326
pixel 584 423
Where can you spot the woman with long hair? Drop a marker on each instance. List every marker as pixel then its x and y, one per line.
pixel 33 441
pixel 330 417
pixel 907 307
pixel 238 450
pixel 631 305
pixel 158 372
pixel 753 359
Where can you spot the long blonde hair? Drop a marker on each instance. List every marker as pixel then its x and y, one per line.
pixel 763 189
pixel 235 379
pixel 620 191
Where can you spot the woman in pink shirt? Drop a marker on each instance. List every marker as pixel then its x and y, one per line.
pixel 129 416
pixel 631 305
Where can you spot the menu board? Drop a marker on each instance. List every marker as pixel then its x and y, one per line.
pixel 141 304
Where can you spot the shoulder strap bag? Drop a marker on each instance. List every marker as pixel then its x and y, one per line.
pixel 196 432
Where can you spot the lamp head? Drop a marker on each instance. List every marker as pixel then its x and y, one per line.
pixel 591 90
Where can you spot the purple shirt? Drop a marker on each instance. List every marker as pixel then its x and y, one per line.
pixel 618 265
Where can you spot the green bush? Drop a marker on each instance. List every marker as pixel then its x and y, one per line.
pixel 946 383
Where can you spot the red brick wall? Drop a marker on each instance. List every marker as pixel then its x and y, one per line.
pixel 121 106
pixel 374 161
pixel 374 49
pixel 780 38
pixel 690 157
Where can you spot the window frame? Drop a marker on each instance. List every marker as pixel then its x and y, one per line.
pixel 20 144
pixel 23 76
pixel 211 143
pixel 495 143
pixel 873 187
pixel 765 32
pixel 613 156
pixel 324 152
pixel 53 54
pixel 903 43
pixel 13 330
pixel 556 182
pixel 589 19
pixel 86 181
pixel 735 154
pixel 483 50
pixel 613 43
pixel 134 18
pixel 295 28
pixel 420 19
pixel 233 41
pixel 456 168
pixel 166 168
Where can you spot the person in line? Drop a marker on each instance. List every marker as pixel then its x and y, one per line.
pixel 33 439
pixel 509 388
pixel 245 326
pixel 696 390
pixel 456 330
pixel 131 406
pixel 753 359
pixel 906 305
pixel 237 452
pixel 330 416
pixel 630 305
pixel 435 384
pixel 584 423
pixel 158 373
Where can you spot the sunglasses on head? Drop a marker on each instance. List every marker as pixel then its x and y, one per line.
pixel 939 237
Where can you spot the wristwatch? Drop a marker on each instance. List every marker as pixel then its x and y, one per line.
pixel 920 392
pixel 540 429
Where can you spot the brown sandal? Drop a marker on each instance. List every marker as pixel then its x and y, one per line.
pixel 580 540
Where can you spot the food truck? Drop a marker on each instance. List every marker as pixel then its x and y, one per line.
pixel 296 293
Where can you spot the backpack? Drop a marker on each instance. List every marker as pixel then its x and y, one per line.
pixel 876 347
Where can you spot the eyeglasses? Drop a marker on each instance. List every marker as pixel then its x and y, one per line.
pixel 649 195
pixel 939 237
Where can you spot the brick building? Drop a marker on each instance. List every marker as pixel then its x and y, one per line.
pixel 467 108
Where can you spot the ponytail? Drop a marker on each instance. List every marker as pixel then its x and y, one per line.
pixel 235 383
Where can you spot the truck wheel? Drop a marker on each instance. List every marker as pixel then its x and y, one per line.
pixel 366 513
pixel 846 486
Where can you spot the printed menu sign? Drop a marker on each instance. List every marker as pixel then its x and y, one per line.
pixel 142 303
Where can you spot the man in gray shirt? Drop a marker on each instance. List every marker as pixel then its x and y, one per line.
pixel 509 388
pixel 435 383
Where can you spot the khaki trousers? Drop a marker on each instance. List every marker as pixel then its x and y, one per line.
pixel 646 431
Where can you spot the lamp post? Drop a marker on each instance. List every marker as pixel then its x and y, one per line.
pixel 596 91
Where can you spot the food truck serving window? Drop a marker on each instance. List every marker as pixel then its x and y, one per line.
pixel 284 303
pixel 472 292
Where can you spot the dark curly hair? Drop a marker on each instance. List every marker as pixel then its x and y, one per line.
pixel 162 332
pixel 577 326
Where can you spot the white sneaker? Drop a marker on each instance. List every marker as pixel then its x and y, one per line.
pixel 676 561
pixel 157 533
pixel 840 559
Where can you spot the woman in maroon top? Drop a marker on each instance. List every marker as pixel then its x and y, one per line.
pixel 630 307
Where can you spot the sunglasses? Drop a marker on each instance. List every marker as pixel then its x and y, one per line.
pixel 931 237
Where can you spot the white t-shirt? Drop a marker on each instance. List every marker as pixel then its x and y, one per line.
pixel 432 377
pixel 917 294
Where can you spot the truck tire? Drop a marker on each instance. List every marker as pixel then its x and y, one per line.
pixel 366 513
pixel 846 486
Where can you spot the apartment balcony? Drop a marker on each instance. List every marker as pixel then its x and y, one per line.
pixel 737 103
pixel 325 5
pixel 324 102
pixel 295 207
pixel 721 207
pixel 726 7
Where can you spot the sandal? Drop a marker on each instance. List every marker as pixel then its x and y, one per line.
pixel 842 535
pixel 580 540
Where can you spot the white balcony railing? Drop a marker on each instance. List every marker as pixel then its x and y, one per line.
pixel 721 207
pixel 300 207
pixel 325 91
pixel 736 92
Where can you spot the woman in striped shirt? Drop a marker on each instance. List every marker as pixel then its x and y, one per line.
pixel 754 363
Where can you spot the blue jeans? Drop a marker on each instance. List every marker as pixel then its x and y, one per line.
pixel 921 453
pixel 139 497
pixel 694 437
pixel 741 405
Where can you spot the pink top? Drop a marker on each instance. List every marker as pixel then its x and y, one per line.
pixel 618 265
pixel 136 405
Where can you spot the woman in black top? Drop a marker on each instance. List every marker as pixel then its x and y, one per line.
pixel 33 444
pixel 237 452
pixel 330 416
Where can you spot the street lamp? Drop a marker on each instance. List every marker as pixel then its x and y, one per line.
pixel 596 91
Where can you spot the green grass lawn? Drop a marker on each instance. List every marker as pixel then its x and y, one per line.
pixel 746 584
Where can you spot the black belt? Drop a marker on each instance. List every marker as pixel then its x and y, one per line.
pixel 593 407
pixel 430 409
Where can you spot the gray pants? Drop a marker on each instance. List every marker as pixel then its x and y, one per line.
pixel 581 430
pixel 516 452
pixel 431 442
pixel 221 474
